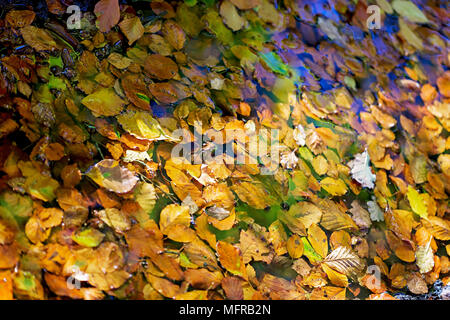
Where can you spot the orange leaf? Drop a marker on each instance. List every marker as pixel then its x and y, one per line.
pixel 231 259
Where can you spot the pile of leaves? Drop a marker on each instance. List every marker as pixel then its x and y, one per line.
pixel 93 204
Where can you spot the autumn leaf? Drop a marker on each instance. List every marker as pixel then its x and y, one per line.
pixel 335 187
pixel 425 258
pixel 417 203
pixel 108 13
pixel 343 260
pixel 360 170
pixel 93 193
pixel 132 28
pixel 409 10
pixel 115 218
pixel 333 218
pixel 230 258
pixel 88 238
pixel 104 102
pixel 174 34
pixel 39 39
pixel 109 174
pixel 318 240
pixel 336 278
pixel 160 67
pixel 438 227
pixel 141 125
pixel 253 248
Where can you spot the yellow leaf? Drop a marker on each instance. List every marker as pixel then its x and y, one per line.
pixel 336 278
pixel 104 102
pixel 174 214
pixel 417 203
pixel 254 248
pixel 203 231
pixel 335 187
pixel 295 246
pixel 318 240
pixel 141 125
pixel 306 212
pixel 251 193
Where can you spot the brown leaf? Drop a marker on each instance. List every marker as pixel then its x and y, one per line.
pixel 160 67
pixel 343 260
pixel 203 279
pixel 132 28
pixel 254 248
pixel 108 13
pixel 136 91
pixel 174 34
pixel 19 18
pixel 110 175
pixel 233 288
pixel 39 39
pixel 164 92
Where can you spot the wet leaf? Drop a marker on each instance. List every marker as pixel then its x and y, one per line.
pixel 230 258
pixel 132 28
pixel 109 174
pixel 108 13
pixel 39 39
pixel 88 238
pixel 104 102
pixel 409 10
pixel 343 260
pixel 160 67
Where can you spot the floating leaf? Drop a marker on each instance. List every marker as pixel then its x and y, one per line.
pixel 254 248
pixel 318 240
pixel 360 170
pixel 160 67
pixel 141 125
pixel 39 39
pixel 335 187
pixel 110 175
pixel 438 227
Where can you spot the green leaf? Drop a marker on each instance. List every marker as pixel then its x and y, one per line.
pixel 190 3
pixel 409 10
pixel 274 62
pixel 309 252
pixel 215 24
pixel 56 83
pixel 88 238
pixel 55 62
